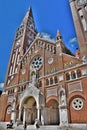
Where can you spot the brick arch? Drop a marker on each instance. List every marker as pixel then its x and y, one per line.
pixel 75 115
pixel 52 98
pixel 7 116
pixel 75 95
pixel 53 110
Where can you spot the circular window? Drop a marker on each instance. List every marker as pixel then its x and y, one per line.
pixel 77 103
pixel 37 63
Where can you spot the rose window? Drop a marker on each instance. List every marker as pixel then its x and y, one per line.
pixel 77 103
pixel 37 63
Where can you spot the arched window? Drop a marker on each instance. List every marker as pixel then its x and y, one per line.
pixel 40 83
pixel 54 50
pixel 47 82
pixel 78 73
pixel 66 65
pixel 51 80
pixel 19 89
pixel 12 90
pixel 67 76
pixel 55 79
pixel 22 88
pixel 71 64
pixel 73 75
pixel 51 48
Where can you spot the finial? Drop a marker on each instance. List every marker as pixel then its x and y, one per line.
pixel 58 36
pixel 30 8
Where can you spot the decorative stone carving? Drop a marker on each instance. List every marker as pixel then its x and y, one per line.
pixel 76 86
pixel 23 71
pixel 50 60
pixel 10 99
pixel 52 92
pixel 84 71
pixel 61 78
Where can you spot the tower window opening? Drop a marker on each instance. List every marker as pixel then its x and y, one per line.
pixel 47 82
pixel 73 75
pixel 55 79
pixel 51 80
pixel 67 76
pixel 78 73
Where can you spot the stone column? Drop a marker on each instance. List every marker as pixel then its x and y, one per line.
pixel 63 115
pixel 13 116
pixel 13 113
pixel 20 114
pixel 38 113
pixel 49 80
pixel 24 116
pixel 43 116
pixel 70 75
pixel 53 81
pixel 76 74
pixel 63 108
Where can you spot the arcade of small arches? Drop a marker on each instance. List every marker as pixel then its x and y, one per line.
pixel 73 74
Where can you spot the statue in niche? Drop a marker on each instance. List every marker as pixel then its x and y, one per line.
pixel 62 98
pixel 33 78
pixel 14 103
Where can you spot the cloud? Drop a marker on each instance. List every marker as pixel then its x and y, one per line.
pixel 72 40
pixel 1 85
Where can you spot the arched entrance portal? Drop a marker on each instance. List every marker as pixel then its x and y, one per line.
pixel 29 111
pixel 52 111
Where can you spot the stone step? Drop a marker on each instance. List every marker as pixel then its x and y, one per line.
pixel 47 127
pixel 51 127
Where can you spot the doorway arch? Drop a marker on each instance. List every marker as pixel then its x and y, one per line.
pixel 52 111
pixel 30 106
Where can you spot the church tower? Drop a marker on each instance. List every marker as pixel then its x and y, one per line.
pixel 25 35
pixel 79 13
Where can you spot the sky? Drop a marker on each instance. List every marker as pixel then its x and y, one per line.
pixel 49 16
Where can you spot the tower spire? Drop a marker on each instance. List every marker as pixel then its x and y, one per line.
pixel 29 15
pixel 58 36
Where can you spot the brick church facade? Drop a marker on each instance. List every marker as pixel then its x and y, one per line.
pixel 44 79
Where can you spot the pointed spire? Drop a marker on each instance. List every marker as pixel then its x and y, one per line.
pixel 27 16
pixel 58 36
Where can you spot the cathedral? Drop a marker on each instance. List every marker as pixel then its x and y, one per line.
pixel 44 80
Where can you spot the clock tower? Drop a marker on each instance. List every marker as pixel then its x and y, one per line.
pixel 79 13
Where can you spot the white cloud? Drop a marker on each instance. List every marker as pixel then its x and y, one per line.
pixel 74 39
pixel 1 85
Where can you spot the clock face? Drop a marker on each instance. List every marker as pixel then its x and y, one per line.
pixel 37 63
pixel 80 2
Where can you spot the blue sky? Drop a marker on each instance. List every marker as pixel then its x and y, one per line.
pixel 49 16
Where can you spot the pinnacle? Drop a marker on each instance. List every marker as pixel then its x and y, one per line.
pixel 58 36
pixel 28 15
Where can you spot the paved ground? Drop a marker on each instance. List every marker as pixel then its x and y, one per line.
pixel 32 127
